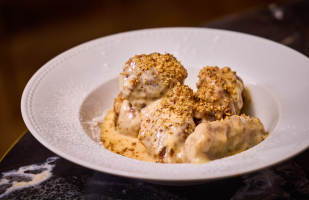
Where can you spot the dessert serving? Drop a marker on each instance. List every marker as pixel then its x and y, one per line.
pixel 157 118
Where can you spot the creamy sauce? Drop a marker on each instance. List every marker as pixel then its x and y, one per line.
pixel 145 91
pixel 128 121
pixel 129 146
pixel 219 94
pixel 146 78
pixel 120 144
pixel 218 139
pixel 164 133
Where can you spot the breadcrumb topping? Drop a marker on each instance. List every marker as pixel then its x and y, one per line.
pixel 167 123
pixel 176 124
pixel 146 78
pixel 168 68
pixel 179 101
pixel 219 94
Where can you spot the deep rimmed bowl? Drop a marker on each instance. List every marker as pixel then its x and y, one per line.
pixel 65 94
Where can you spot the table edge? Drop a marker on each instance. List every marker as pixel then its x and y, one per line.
pixel 9 149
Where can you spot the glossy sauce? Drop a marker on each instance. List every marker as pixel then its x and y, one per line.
pixel 120 144
pixel 131 147
pixel 164 131
pixel 128 120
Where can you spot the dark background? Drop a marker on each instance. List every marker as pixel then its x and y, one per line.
pixel 34 31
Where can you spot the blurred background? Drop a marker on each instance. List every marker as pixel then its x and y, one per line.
pixel 32 32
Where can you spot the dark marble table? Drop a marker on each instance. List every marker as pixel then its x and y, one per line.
pixel 287 24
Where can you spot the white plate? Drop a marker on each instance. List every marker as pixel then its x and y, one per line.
pixel 81 83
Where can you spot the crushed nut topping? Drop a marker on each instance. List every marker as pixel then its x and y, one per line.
pixel 145 78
